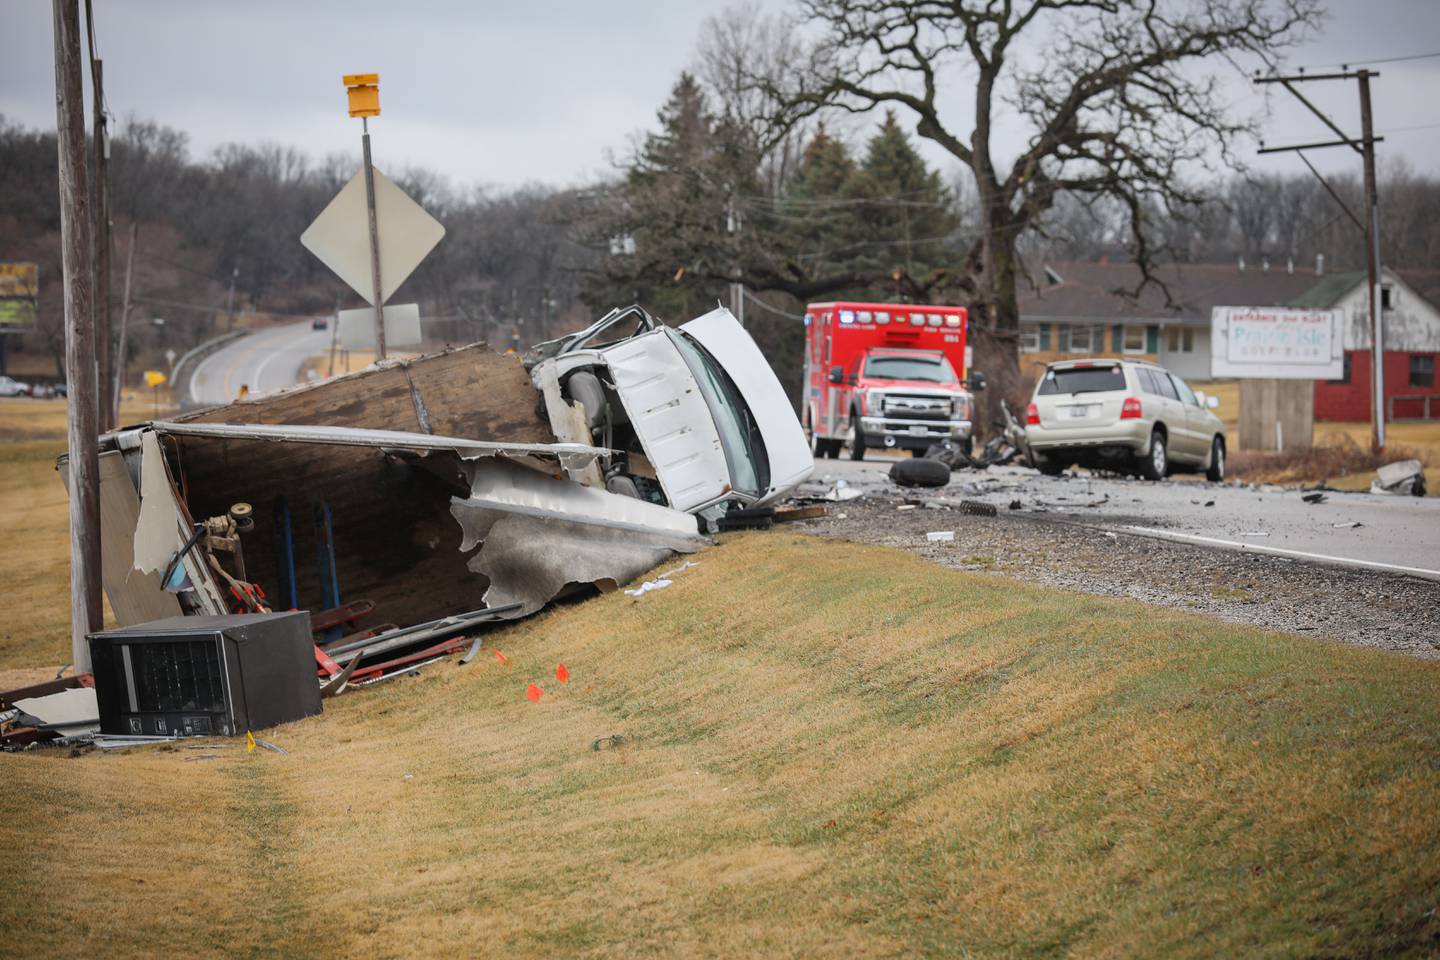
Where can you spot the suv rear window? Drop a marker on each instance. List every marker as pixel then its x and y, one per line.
pixel 1082 380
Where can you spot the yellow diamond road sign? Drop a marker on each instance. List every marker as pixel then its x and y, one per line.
pixel 340 236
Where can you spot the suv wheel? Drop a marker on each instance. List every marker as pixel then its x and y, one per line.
pixel 1216 472
pixel 1048 466
pixel 1157 464
pixel 857 439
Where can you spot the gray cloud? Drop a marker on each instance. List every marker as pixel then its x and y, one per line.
pixel 513 92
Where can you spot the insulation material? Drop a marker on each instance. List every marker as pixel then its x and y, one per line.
pixel 538 536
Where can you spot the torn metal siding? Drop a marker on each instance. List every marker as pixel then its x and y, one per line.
pixel 538 536
pixel 163 527
pixel 575 456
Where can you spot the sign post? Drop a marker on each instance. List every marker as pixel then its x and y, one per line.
pixel 346 238
pixel 364 90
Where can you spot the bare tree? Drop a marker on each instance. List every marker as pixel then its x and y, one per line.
pixel 1113 93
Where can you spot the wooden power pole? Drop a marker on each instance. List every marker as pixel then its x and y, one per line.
pixel 1372 265
pixel 1365 146
pixel 86 611
pixel 101 223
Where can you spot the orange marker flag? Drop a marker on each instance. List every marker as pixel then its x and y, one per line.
pixel 534 692
pixel 562 674
pixel 501 657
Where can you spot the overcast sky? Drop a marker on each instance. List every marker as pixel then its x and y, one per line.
pixel 505 93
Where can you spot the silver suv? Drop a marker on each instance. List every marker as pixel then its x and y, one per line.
pixel 1124 415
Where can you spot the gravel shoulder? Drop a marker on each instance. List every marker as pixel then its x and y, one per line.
pixel 1389 612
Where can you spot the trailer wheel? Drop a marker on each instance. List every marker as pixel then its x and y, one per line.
pixel 857 439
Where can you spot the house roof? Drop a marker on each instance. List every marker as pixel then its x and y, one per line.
pixel 1329 289
pixel 1088 291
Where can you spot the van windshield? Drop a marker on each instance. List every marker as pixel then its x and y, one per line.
pixel 930 369
pixel 739 433
pixel 1082 380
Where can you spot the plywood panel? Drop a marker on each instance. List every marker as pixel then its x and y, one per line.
pixel 135 597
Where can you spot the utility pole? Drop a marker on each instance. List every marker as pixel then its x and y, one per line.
pixel 125 304
pixel 1365 146
pixel 82 411
pixel 230 301
pixel 101 231
pixel 1372 265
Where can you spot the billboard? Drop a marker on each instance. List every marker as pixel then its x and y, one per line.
pixel 1279 343
pixel 19 291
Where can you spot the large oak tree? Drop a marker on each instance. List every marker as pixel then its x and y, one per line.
pixel 1119 100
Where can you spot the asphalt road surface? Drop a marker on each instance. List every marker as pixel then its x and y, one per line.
pixel 1389 535
pixel 265 360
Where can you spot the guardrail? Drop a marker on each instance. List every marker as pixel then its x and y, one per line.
pixel 181 389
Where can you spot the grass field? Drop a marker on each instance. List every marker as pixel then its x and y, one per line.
pixel 877 757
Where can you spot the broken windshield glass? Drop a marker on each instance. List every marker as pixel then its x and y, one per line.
pixel 739 434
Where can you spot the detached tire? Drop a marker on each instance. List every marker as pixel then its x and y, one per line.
pixel 920 472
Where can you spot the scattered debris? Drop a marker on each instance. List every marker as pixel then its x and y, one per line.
pixel 1253 533
pixel 562 674
pixel 1015 505
pixel 1347 525
pixel 1316 497
pixel 940 536
pixel 1404 478
pixel 920 472
pixel 610 742
pixel 533 692
pixel 975 508
pixel 906 506
pixel 841 492
pixel 790 514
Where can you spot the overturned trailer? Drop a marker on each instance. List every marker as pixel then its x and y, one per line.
pixel 419 489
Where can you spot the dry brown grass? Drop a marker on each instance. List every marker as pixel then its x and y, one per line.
pixel 830 750
pixel 1334 456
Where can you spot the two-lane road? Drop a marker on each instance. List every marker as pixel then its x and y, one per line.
pixel 1391 535
pixel 265 360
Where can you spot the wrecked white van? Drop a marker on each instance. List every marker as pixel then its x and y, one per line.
pixel 693 416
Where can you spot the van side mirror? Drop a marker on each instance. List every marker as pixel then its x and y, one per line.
pixel 837 374
pixel 977 380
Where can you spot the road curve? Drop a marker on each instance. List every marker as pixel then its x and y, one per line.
pixel 265 360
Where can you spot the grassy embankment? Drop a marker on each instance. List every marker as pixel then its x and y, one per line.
pixel 828 750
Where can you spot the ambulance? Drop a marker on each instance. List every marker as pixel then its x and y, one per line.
pixel 887 376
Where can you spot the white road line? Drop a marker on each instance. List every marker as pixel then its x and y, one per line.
pixel 1282 552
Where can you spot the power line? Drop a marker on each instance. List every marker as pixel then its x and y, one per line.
pixel 1362 63
pixel 765 306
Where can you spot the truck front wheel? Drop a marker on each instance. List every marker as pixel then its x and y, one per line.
pixel 857 439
